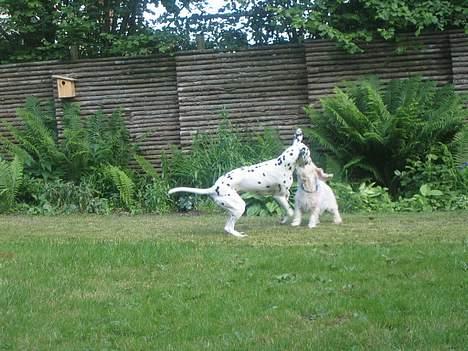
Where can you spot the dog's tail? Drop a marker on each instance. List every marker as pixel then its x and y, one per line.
pixel 207 191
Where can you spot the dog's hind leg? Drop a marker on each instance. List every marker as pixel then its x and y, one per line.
pixel 336 216
pixel 283 202
pixel 235 205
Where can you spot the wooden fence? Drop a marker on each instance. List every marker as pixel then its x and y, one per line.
pixel 169 98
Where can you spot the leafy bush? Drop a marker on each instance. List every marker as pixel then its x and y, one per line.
pixel 366 198
pixel 434 182
pixel 56 197
pixel 370 130
pixel 259 205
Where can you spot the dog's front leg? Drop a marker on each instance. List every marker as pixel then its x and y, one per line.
pixel 297 216
pixel 283 202
pixel 314 217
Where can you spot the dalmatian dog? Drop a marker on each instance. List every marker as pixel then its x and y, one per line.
pixel 273 177
pixel 314 196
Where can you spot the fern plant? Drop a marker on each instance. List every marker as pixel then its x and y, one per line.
pixel 461 144
pixel 109 139
pixel 370 130
pixel 35 142
pixel 11 177
pixel 74 144
pixel 83 146
pixel 122 182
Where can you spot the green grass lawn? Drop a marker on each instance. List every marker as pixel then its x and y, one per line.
pixel 377 282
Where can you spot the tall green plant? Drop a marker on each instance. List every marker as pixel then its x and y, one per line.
pixel 11 177
pixel 214 154
pixel 370 130
pixel 74 144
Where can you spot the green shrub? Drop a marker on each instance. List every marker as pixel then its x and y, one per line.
pixel 365 198
pixel 260 205
pixel 369 130
pixel 58 197
pixel 434 182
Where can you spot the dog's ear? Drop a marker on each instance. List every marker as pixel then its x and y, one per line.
pixel 322 175
pixel 307 178
pixel 298 136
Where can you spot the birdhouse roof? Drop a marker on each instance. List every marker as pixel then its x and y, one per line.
pixel 64 78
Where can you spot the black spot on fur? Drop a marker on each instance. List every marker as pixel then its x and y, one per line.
pixel 259 182
pixel 268 187
pixel 280 161
pixel 217 190
pixel 222 203
pixel 264 174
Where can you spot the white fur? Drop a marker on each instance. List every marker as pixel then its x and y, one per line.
pixel 273 177
pixel 314 196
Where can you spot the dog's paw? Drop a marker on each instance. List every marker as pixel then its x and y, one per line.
pixel 312 225
pixel 236 233
pixel 284 220
pixel 295 223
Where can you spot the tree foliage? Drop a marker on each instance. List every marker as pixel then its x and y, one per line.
pixel 46 29
pixel 352 21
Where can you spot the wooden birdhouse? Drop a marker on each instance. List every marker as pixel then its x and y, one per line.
pixel 65 86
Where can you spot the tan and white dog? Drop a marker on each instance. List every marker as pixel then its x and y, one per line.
pixel 314 196
pixel 273 177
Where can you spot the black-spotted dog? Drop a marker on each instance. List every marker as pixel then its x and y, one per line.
pixel 273 177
